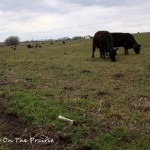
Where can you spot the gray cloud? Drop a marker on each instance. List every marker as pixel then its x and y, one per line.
pixel 96 2
pixel 62 6
pixel 28 5
pixel 17 5
pixel 109 3
pixel 58 18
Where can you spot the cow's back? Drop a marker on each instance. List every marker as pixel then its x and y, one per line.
pixel 103 40
pixel 123 40
pixel 119 39
pixel 97 39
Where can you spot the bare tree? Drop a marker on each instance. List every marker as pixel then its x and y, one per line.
pixel 12 40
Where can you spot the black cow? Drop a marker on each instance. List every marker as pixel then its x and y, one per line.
pixel 104 42
pixel 127 41
pixel 29 46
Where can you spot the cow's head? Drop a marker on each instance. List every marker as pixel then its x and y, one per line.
pixel 112 55
pixel 137 48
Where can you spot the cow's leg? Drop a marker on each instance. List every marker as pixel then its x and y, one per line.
pixel 126 51
pixel 102 53
pixel 93 50
pixel 107 53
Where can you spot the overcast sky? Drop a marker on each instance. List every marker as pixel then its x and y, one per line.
pixel 48 19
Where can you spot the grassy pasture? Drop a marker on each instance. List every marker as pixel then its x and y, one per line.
pixel 111 101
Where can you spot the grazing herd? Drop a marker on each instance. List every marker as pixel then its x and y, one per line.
pixel 108 42
pixel 39 45
pixel 13 47
pixel 31 46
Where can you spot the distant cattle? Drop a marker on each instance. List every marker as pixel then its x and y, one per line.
pixel 104 42
pixel 29 46
pixel 14 48
pixel 127 41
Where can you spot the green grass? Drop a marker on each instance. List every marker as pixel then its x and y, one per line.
pixel 120 138
pixel 110 99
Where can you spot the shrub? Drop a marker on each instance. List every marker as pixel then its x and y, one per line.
pixel 12 40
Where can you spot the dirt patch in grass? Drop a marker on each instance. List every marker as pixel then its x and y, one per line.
pixel 84 96
pixel 119 76
pixel 143 104
pixel 85 71
pixel 69 88
pixel 101 93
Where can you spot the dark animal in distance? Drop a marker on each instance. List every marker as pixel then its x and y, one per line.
pixel 127 41
pixel 104 42
pixel 14 48
pixel 29 46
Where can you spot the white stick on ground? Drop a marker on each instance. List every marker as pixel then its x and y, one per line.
pixel 65 119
